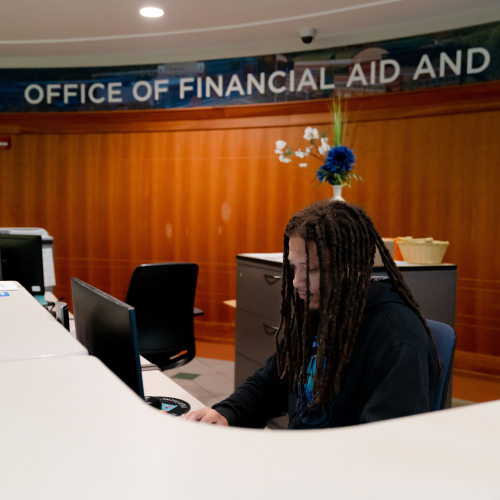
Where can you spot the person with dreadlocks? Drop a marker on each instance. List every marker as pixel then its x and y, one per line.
pixel 350 349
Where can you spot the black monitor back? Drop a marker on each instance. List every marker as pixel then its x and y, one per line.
pixel 21 260
pixel 107 328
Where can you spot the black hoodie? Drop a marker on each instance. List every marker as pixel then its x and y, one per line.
pixel 393 373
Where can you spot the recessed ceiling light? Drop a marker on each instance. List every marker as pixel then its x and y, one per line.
pixel 151 12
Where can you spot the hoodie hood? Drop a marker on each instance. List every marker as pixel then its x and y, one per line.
pixel 381 292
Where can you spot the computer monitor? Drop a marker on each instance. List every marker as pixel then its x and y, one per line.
pixel 107 328
pixel 21 260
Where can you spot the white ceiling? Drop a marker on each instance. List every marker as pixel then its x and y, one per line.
pixel 69 33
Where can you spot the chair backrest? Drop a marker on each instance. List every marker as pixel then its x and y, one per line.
pixel 445 340
pixel 163 298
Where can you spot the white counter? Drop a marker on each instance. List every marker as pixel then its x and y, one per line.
pixel 28 330
pixel 72 430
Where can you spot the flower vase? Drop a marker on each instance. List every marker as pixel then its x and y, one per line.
pixel 337 193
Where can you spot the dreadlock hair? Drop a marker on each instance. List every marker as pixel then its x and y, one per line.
pixel 346 240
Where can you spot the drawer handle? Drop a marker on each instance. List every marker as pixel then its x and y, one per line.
pixel 270 330
pixel 271 280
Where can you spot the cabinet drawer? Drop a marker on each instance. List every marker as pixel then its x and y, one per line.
pixel 258 289
pixel 255 336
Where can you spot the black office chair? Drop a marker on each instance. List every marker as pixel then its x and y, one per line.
pixel 445 340
pixel 163 298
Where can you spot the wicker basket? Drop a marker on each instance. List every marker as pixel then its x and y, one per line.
pixel 422 250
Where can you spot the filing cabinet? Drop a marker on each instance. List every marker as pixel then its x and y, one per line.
pixel 258 302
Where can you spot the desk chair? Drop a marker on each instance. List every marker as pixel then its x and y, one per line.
pixel 163 298
pixel 445 340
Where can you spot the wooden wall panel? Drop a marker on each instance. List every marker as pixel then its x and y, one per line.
pixel 435 176
pixel 120 189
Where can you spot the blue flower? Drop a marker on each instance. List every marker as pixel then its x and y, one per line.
pixel 322 175
pixel 338 160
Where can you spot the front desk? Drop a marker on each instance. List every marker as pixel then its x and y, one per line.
pixel 72 430
pixel 29 331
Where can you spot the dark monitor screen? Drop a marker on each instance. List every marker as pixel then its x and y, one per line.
pixel 107 328
pixel 21 260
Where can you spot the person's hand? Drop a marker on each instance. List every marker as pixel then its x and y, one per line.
pixel 206 415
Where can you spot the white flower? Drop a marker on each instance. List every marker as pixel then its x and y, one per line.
pixel 311 133
pixel 280 145
pixel 302 164
pixel 325 147
pixel 300 153
pixel 308 150
pixel 284 159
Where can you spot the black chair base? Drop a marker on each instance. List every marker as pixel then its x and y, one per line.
pixel 168 360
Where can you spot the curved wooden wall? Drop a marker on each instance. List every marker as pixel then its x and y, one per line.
pixel 124 188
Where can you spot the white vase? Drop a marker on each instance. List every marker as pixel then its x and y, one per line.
pixel 337 193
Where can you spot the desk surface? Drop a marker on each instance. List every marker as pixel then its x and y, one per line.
pixel 72 430
pixel 28 330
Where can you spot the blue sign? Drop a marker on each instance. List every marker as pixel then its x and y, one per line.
pixel 4 294
pixel 456 57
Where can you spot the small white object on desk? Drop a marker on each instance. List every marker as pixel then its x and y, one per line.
pixel 8 286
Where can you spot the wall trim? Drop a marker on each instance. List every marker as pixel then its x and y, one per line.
pixel 479 363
